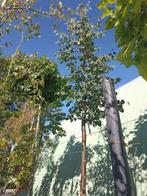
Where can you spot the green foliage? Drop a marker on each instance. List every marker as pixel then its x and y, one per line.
pixel 130 23
pixel 79 53
pixel 32 81
pixel 5 98
pixel 34 78
pixel 20 161
pixel 29 82
pixel 21 16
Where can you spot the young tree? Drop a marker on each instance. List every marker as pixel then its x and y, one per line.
pixel 86 68
pixel 129 20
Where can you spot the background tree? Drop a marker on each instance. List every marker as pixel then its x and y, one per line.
pixel 20 15
pixel 129 19
pixel 86 68
pixel 36 92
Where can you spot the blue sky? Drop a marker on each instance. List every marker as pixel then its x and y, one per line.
pixel 46 44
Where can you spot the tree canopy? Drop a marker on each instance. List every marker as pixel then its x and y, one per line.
pixel 129 19
pixel 30 110
pixel 32 91
pixel 80 54
pixel 21 15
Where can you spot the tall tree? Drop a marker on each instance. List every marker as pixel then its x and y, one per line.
pixel 129 19
pixel 120 167
pixel 80 54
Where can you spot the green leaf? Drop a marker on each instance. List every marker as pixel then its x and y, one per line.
pixel 107 12
pixel 142 68
pixel 110 23
pixel 101 5
pixel 43 58
pixel 144 33
pixel 124 59
pixel 137 6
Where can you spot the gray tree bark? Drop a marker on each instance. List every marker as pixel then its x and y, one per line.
pixel 120 167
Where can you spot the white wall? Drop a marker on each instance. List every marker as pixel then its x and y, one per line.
pixel 59 170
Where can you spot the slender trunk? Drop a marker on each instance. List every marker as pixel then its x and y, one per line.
pixel 35 150
pixel 122 180
pixel 83 160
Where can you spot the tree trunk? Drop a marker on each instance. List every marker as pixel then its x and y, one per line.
pixel 122 182
pixel 83 160
pixel 36 142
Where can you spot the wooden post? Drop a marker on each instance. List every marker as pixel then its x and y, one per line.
pixel 122 180
pixel 83 160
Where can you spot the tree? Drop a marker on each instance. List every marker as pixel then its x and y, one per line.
pixel 37 89
pixel 129 20
pixel 20 15
pixel 79 52
pixel 32 81
pixel 120 167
